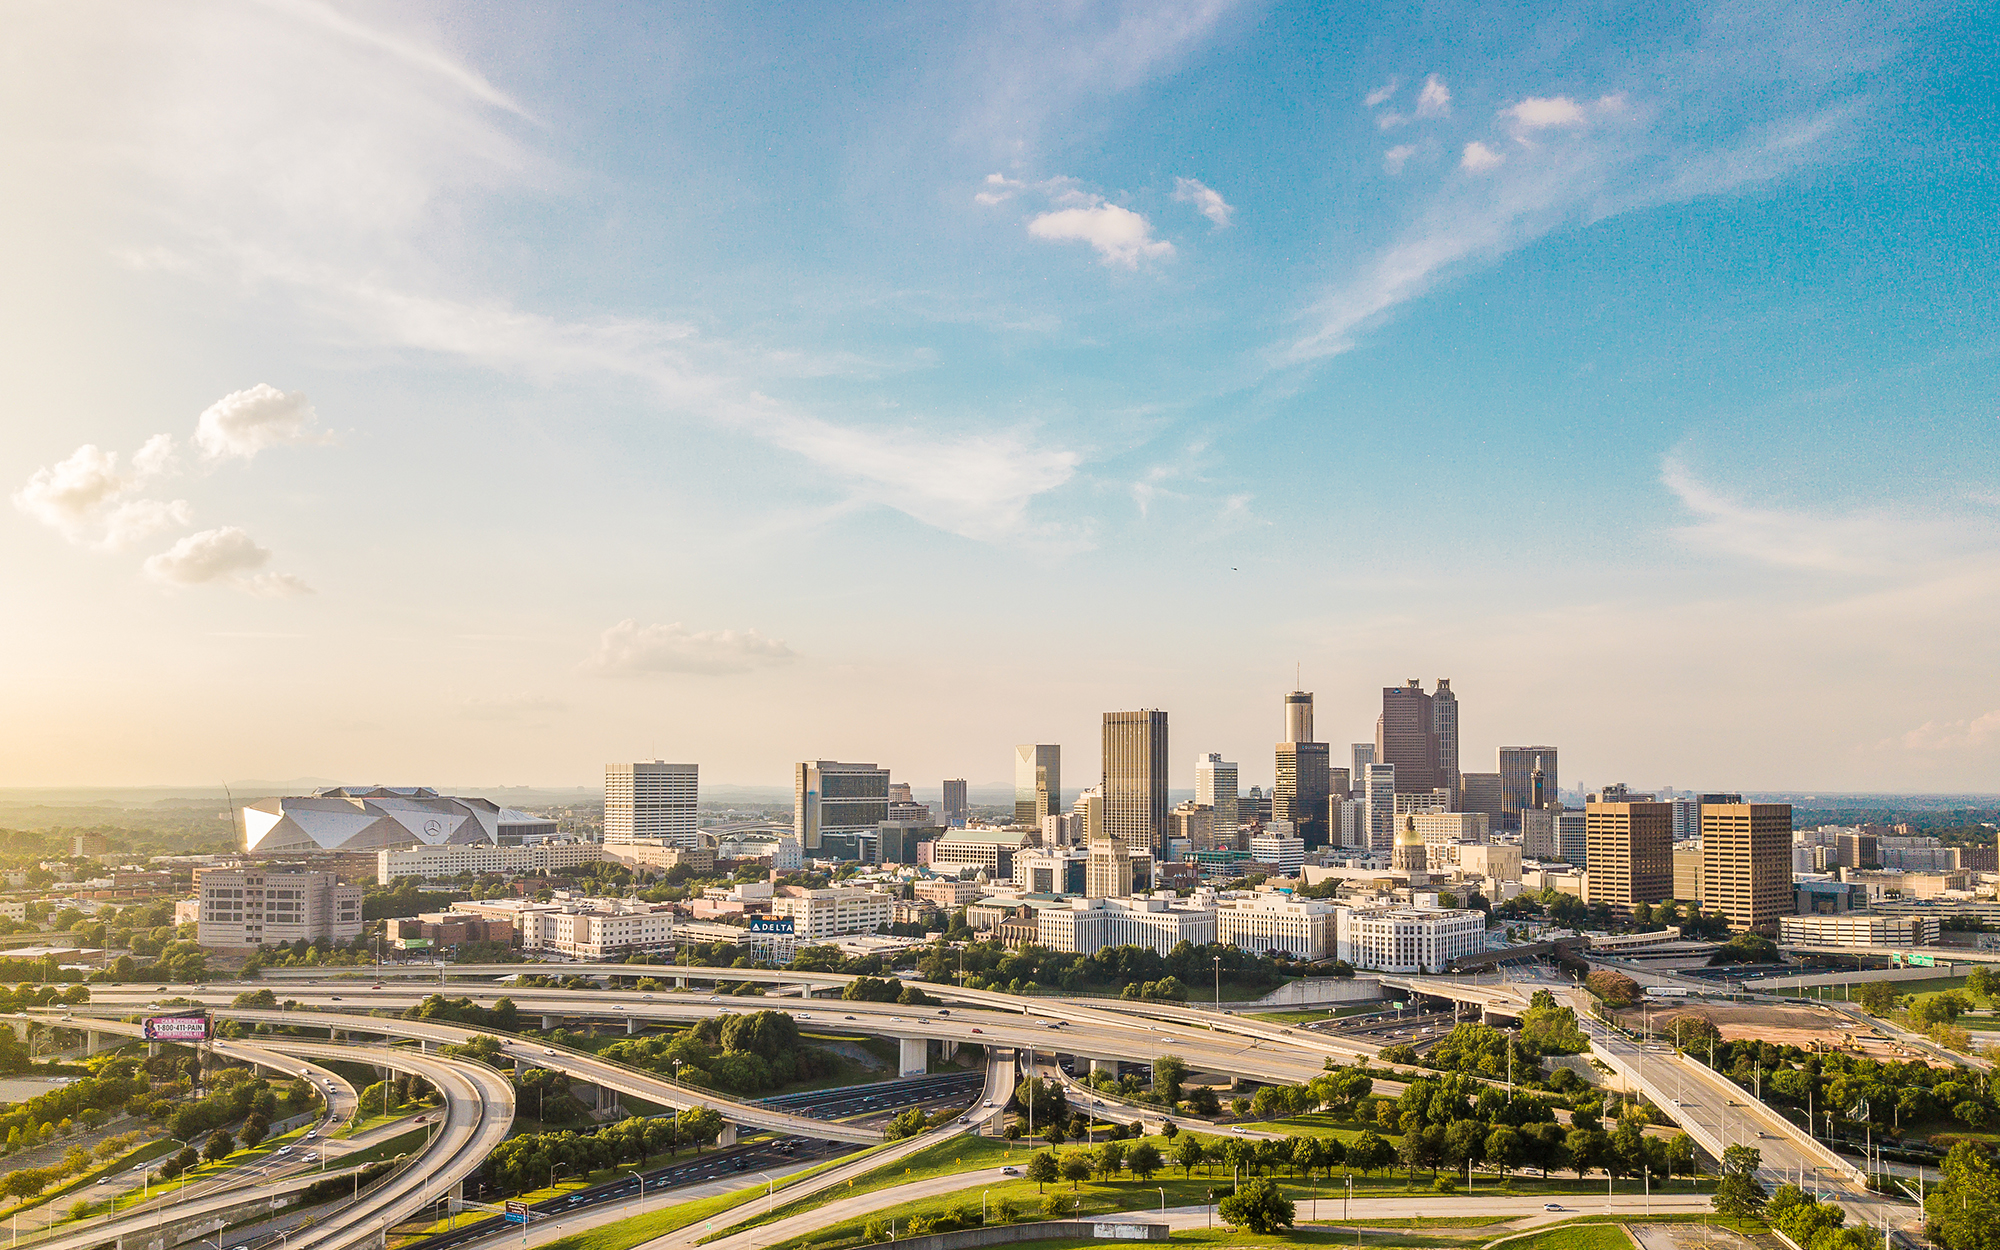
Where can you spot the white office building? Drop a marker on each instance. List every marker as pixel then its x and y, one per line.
pixel 594 935
pixel 1284 854
pixel 1304 928
pixel 1088 925
pixel 1407 939
pixel 438 863
pixel 1215 787
pixel 651 802
pixel 820 914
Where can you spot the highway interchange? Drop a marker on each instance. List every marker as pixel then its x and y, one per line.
pixel 479 1102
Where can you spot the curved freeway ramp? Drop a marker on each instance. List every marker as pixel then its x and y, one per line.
pixel 632 1082
pixel 479 1110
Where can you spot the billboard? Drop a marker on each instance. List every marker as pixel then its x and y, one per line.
pixel 185 1028
pixel 770 924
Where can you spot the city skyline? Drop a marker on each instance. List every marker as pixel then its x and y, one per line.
pixel 624 384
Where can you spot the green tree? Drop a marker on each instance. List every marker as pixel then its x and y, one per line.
pixel 1964 1210
pixel 1738 1196
pixel 1187 1153
pixel 700 1125
pixel 1169 1071
pixel 1042 1168
pixel 1110 1159
pixel 1144 1160
pixel 1259 1207
pixel 1054 1206
pixel 1006 1211
pixel 1076 1168
pixel 220 1146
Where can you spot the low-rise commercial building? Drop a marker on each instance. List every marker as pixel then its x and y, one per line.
pixel 588 936
pixel 1859 929
pixel 1408 939
pixel 817 914
pixel 1302 928
pixel 1087 925
pixel 437 863
pixel 990 850
pixel 450 929
pixel 1279 853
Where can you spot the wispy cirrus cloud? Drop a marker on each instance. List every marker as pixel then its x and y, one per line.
pixel 327 161
pixel 1207 201
pixel 1704 125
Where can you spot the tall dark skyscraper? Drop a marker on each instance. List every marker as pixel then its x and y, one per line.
pixel 1517 779
pixel 1135 778
pixel 1444 725
pixel 1406 736
pixel 1305 773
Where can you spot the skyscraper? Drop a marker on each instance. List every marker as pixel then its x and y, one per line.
pixel 829 797
pixel 1517 778
pixel 1304 773
pixel 1135 778
pixel 1444 727
pixel 1299 716
pixel 1363 754
pixel 1380 795
pixel 1746 862
pixel 956 810
pixel 1631 856
pixel 1037 783
pixel 651 802
pixel 1406 736
pixel 1215 785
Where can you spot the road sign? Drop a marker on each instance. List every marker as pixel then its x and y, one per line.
pixel 517 1212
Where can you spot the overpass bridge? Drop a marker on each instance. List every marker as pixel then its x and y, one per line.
pixel 479 1110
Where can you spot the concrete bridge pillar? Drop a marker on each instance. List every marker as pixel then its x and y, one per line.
pixel 727 1137
pixel 631 1026
pixel 680 983
pixel 550 1022
pixel 1109 1066
pixel 914 1053
pixel 948 1048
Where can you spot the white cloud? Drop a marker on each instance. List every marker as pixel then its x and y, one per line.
pixel 1955 735
pixel 998 189
pixel 87 499
pixel 1121 236
pixel 1395 158
pixel 243 423
pixel 1389 119
pixel 1864 542
pixel 227 555
pixel 1434 100
pixel 1479 158
pixel 1206 201
pixel 1573 176
pixel 631 649
pixel 1534 113
pixel 1382 93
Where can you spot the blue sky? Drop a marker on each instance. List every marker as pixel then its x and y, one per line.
pixel 890 382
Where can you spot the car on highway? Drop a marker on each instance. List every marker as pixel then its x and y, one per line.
pixel 1010 1171
pixel 975 1030
pixel 944 1011
pixel 1552 1206
pixel 333 998
pixel 847 1017
pixel 649 998
pixel 805 1015
pixel 548 1050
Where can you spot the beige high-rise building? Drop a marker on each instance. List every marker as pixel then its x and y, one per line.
pixel 1746 863
pixel 1630 849
pixel 1108 871
pixel 1135 778
pixel 651 802
pixel 1195 822
pixel 1688 872
pixel 1037 783
pixel 1215 787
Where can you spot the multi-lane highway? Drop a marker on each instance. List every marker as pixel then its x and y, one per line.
pixel 478 1111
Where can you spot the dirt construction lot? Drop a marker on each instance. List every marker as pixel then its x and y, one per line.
pixel 1798 1025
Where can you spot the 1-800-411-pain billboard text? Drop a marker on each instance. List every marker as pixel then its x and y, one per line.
pixel 188 1028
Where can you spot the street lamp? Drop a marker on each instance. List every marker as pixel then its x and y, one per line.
pixel 1218 983
pixel 640 1175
